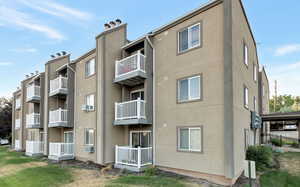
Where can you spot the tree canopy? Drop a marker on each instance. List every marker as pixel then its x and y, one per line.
pixel 5 117
pixel 285 103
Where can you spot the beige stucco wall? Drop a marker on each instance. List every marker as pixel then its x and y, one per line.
pixel 208 61
pixel 83 120
pixel 242 76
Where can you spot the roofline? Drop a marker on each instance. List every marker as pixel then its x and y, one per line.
pixel 58 58
pixel 111 29
pixel 83 56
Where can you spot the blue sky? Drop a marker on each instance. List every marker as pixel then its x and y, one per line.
pixel 31 30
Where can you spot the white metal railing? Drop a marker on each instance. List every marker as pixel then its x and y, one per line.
pixel 60 115
pixel 137 157
pixel 58 83
pixel 61 149
pixel 130 110
pixel 34 147
pixel 18 103
pixel 17 144
pixel 33 91
pixel 17 123
pixel 130 64
pixel 32 119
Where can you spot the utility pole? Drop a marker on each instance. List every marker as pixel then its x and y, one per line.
pixel 275 99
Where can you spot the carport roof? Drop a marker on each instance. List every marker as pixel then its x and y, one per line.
pixel 281 116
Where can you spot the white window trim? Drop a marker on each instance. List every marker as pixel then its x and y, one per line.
pixel 87 63
pixel 86 99
pixel 246 54
pixel 138 90
pixel 255 72
pixel 189 38
pixel 141 131
pixel 189 89
pixel 255 103
pixel 87 129
pixel 67 132
pixel 189 149
pixel 246 97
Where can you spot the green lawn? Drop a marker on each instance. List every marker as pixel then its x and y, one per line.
pixel 48 175
pixel 287 176
pixel 153 181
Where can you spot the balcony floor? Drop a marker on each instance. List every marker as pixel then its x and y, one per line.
pixel 59 92
pixel 34 154
pixel 60 158
pixel 59 124
pixel 33 99
pixel 131 79
pixel 131 122
pixel 34 126
pixel 131 168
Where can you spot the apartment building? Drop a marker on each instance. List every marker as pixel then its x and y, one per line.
pixel 185 97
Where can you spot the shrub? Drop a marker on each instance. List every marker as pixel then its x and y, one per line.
pixel 151 171
pixel 276 142
pixel 295 145
pixel 262 155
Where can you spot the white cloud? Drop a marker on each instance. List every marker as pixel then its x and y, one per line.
pixel 287 77
pixel 23 20
pixel 25 50
pixel 6 63
pixel 56 9
pixel 287 49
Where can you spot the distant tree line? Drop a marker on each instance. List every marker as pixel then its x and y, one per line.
pixel 5 118
pixel 285 103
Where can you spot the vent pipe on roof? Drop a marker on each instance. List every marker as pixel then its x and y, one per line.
pixel 112 23
pixel 63 53
pixel 36 72
pixel 27 76
pixel 106 26
pixel 58 54
pixel 31 74
pixel 52 56
pixel 118 21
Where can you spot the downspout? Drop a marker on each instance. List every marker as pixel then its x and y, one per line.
pixel 153 95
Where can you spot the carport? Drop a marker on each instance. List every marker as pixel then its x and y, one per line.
pixel 287 116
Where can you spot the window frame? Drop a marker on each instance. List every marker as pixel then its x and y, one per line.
pixel 87 65
pixel 255 72
pixel 188 28
pixel 245 56
pixel 255 104
pixel 246 97
pixel 190 99
pixel 85 136
pixel 189 150
pixel 86 100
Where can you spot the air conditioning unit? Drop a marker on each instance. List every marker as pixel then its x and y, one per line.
pixel 89 148
pixel 90 108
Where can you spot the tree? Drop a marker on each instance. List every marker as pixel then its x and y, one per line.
pixel 5 117
pixel 284 103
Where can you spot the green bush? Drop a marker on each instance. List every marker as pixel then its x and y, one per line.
pixel 262 155
pixel 151 171
pixel 276 142
pixel 295 145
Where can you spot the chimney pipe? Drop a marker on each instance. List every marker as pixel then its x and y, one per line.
pixel 52 56
pixel 64 53
pixel 27 76
pixel 36 72
pixel 31 74
pixel 58 54
pixel 112 23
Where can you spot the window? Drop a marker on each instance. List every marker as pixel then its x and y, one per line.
pixel 254 103
pixel 263 90
pixel 90 67
pixel 189 89
pixel 90 100
pixel 255 72
pixel 68 137
pixel 189 38
pixel 134 95
pixel 245 54
pixel 246 97
pixel 189 139
pixel 89 136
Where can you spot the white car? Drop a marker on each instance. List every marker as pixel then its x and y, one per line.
pixel 290 127
pixel 4 142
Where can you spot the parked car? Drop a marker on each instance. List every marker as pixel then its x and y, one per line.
pixel 289 127
pixel 4 141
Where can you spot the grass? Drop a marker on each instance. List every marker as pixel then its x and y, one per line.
pixel 39 176
pixel 153 181
pixel 7 157
pixel 287 176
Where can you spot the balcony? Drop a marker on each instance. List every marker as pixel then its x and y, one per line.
pixel 33 120
pixel 130 71
pixel 130 112
pixel 17 123
pixel 59 86
pixel 33 93
pixel 61 151
pixel 34 148
pixel 58 118
pixel 18 104
pixel 17 145
pixel 134 159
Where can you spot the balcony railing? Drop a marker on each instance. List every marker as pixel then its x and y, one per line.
pixel 58 117
pixel 34 147
pixel 18 103
pixel 136 157
pixel 17 123
pixel 61 151
pixel 130 110
pixel 33 93
pixel 33 120
pixel 130 64
pixel 17 145
pixel 59 85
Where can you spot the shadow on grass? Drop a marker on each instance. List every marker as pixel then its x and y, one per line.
pixel 279 179
pixel 39 176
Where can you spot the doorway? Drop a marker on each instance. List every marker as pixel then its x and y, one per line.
pixel 140 139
